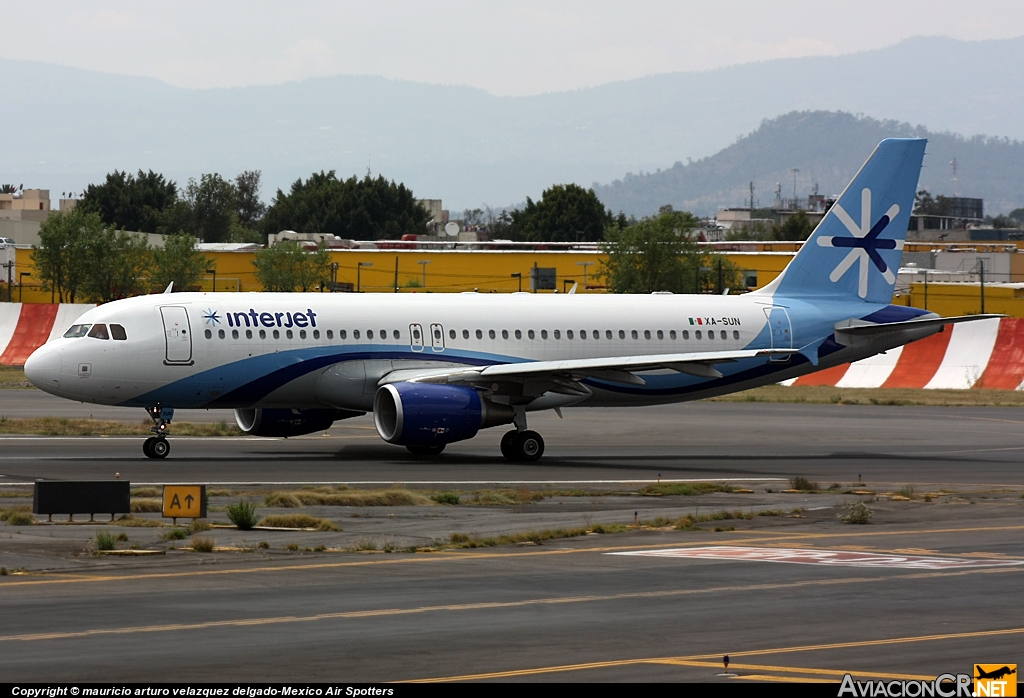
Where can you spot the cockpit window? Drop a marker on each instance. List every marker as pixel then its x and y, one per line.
pixel 117 332
pixel 99 332
pixel 77 331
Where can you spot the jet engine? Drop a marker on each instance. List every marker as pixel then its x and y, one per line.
pixel 425 414
pixel 288 422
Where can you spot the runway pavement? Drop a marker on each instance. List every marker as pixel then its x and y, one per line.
pixel 938 592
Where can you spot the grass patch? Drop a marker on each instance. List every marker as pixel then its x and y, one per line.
pixel 686 489
pixel 516 538
pixel 104 541
pixel 20 518
pixel 147 506
pixel 7 513
pixel 63 426
pixel 292 547
pixel 609 528
pixel 13 378
pixel 446 498
pixel 299 521
pixel 147 492
pixel 907 491
pixel 137 522
pixel 175 534
pixel 243 515
pixel 824 395
pixel 12 494
pixel 201 544
pixel 395 497
pixel 523 495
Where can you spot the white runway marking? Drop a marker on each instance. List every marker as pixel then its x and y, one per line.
pixel 842 558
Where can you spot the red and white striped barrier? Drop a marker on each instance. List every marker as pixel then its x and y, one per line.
pixel 982 354
pixel 26 327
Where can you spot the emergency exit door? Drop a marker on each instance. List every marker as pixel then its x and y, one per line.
pixel 177 335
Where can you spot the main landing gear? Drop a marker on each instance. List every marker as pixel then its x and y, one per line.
pixel 522 445
pixel 158 446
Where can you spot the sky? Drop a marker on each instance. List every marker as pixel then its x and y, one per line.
pixel 507 48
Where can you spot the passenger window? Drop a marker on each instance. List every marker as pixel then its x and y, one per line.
pixel 622 334
pixel 263 334
pixel 583 334
pixel 248 334
pixel 686 334
pixel 208 334
pixel 234 334
pixel 723 335
pixel 302 334
pixel 490 334
pixel 220 334
pixel 330 334
pixel 607 334
pixel 465 334
pixel 316 334
pixel 711 334
pixel 479 334
pixel 117 332
pixel 635 335
pixel 76 331
pixel 568 334
pixel 451 334
pixel 558 334
pixel 735 334
pixel 369 334
pixel 647 334
pixel 99 332
pixel 672 334
pixel 504 334
pixel 384 334
pixel 529 333
pixel 696 334
pixel 277 334
pixel 288 334
pixel 519 334
pixel 398 335
pixel 543 334
pixel 661 335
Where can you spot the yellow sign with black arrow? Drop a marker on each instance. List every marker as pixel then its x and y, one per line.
pixel 185 501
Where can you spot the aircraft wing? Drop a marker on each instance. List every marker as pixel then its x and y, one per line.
pixel 618 369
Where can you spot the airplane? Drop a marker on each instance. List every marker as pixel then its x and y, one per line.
pixel 437 369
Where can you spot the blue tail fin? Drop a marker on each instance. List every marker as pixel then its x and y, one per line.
pixel 855 251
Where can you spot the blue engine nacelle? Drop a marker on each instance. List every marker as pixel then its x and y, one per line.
pixel 420 414
pixel 288 422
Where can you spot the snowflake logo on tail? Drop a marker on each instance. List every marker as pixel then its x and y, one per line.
pixel 864 245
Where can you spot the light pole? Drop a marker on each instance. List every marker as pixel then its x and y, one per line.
pixel 21 283
pixel 519 275
pixel 334 276
pixel 423 263
pixel 214 272
pixel 584 265
pixel 359 270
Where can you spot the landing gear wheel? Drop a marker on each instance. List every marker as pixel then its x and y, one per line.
pixel 426 449
pixel 508 444
pixel 159 448
pixel 523 446
pixel 147 447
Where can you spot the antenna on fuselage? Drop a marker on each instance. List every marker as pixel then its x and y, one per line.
pixel 170 288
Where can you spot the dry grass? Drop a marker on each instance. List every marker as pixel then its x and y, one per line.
pixel 146 506
pixel 202 545
pixel 13 378
pixel 464 541
pixel 824 395
pixel 326 496
pixel 299 521
pixel 63 426
pixel 686 489
pixel 147 492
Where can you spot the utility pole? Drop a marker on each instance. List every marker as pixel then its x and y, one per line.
pixel 396 273
pixel 981 264
pixel 10 271
pixel 423 263
pixel 584 265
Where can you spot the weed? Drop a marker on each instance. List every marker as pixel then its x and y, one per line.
pixel 293 547
pixel 198 526
pixel 394 497
pixel 907 491
pixel 104 541
pixel 262 545
pixel 835 486
pixel 856 513
pixel 527 537
pixel 719 529
pixel 686 489
pixel 803 484
pixel 6 514
pixel 388 546
pixel 445 498
pixel 202 545
pixel 609 528
pixel 319 549
pixel 771 512
pixel 299 521
pixel 175 534
pixel 3 571
pixel 121 537
pixel 138 522
pixel 365 545
pixel 147 492
pixel 458 538
pixel 243 515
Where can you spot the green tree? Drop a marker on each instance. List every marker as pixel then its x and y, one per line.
pixel 180 262
pixel 286 266
pixel 659 253
pixel 798 226
pixel 248 206
pixel 140 202
pixel 209 208
pixel 62 258
pixel 118 265
pixel 360 209
pixel 565 213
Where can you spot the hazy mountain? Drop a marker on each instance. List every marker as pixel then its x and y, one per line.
pixel 828 148
pixel 66 127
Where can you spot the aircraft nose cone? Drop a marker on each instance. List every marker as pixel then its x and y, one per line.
pixel 43 368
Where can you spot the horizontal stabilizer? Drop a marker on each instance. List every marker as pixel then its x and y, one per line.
pixel 855 330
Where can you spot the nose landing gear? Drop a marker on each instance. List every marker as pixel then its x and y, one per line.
pixel 158 446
